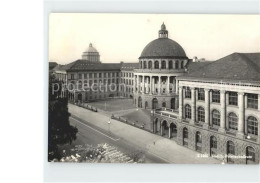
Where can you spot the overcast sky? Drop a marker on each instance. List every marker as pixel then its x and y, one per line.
pixel 122 37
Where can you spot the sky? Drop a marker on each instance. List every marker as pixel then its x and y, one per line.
pixel 122 37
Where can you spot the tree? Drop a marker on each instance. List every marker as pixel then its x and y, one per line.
pixel 59 129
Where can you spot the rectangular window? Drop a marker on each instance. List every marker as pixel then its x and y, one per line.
pixel 95 75
pixel 187 92
pixel 100 75
pixel 85 76
pixel 232 98
pixel 90 75
pixel 72 76
pixel 201 94
pixel 216 96
pixel 80 76
pixel 252 101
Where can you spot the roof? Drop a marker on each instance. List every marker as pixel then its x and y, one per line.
pixel 243 67
pixel 193 66
pixel 129 66
pixel 84 65
pixel 163 48
pixel 52 65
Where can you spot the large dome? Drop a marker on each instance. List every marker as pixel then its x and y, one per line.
pixel 163 47
pixel 91 48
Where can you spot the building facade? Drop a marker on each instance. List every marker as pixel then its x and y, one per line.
pixel 219 110
pixel 160 63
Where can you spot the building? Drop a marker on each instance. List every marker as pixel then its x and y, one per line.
pixel 219 109
pixel 160 63
pixel 88 79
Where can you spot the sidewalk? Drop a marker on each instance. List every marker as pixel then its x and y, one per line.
pixel 163 147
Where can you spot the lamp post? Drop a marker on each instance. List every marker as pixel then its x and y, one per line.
pixel 109 125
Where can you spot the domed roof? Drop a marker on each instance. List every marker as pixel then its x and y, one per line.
pixel 91 48
pixel 163 47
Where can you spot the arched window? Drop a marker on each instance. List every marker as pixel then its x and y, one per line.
pixel 156 64
pixel 185 136
pixel 201 114
pixel 230 150
pixel 170 64
pixel 176 64
pixel 250 155
pixel 252 125
pixel 145 65
pixel 188 111
pixel 163 104
pixel 215 118
pixel 198 141
pixel 232 121
pixel 163 65
pixel 150 64
pixel 213 145
pixel 181 64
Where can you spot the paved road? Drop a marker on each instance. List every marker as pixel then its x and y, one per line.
pixel 142 140
pixel 90 134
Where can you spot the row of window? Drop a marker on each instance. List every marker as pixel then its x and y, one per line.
pixel 252 99
pixel 126 74
pixel 149 64
pixel 94 75
pixel 252 123
pixel 250 151
pixel 127 81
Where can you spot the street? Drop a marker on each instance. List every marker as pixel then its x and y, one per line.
pixel 89 134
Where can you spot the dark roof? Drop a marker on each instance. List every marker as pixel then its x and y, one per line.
pixel 84 65
pixel 52 65
pixel 193 66
pixel 163 48
pixel 243 67
pixel 130 66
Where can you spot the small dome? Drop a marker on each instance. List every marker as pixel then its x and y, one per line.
pixel 163 48
pixel 91 48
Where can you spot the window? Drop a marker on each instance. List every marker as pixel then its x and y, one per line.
pixel 252 101
pixel 201 94
pixel 90 75
pixel 216 96
pixel 144 64
pixel 201 114
pixel 232 98
pixel 156 65
pixel 176 64
pixel 100 75
pixel 163 65
pixel 85 76
pixel 170 64
pixel 80 76
pixel 181 65
pixel 252 125
pixel 141 64
pixel 187 92
pixel 149 64
pixel 188 111
pixel 213 142
pixel 250 153
pixel 230 150
pixel 198 141
pixel 163 104
pixel 95 75
pixel 185 136
pixel 72 76
pixel 216 118
pixel 232 121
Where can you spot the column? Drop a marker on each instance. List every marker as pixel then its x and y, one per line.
pixel 259 103
pixel 167 64
pixel 168 85
pixel 241 116
pixel 170 132
pixel 150 85
pixel 207 107
pixel 159 85
pixel 193 105
pixel 143 83
pixel 160 64
pixel 222 111
pixel 138 84
pixel 180 101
